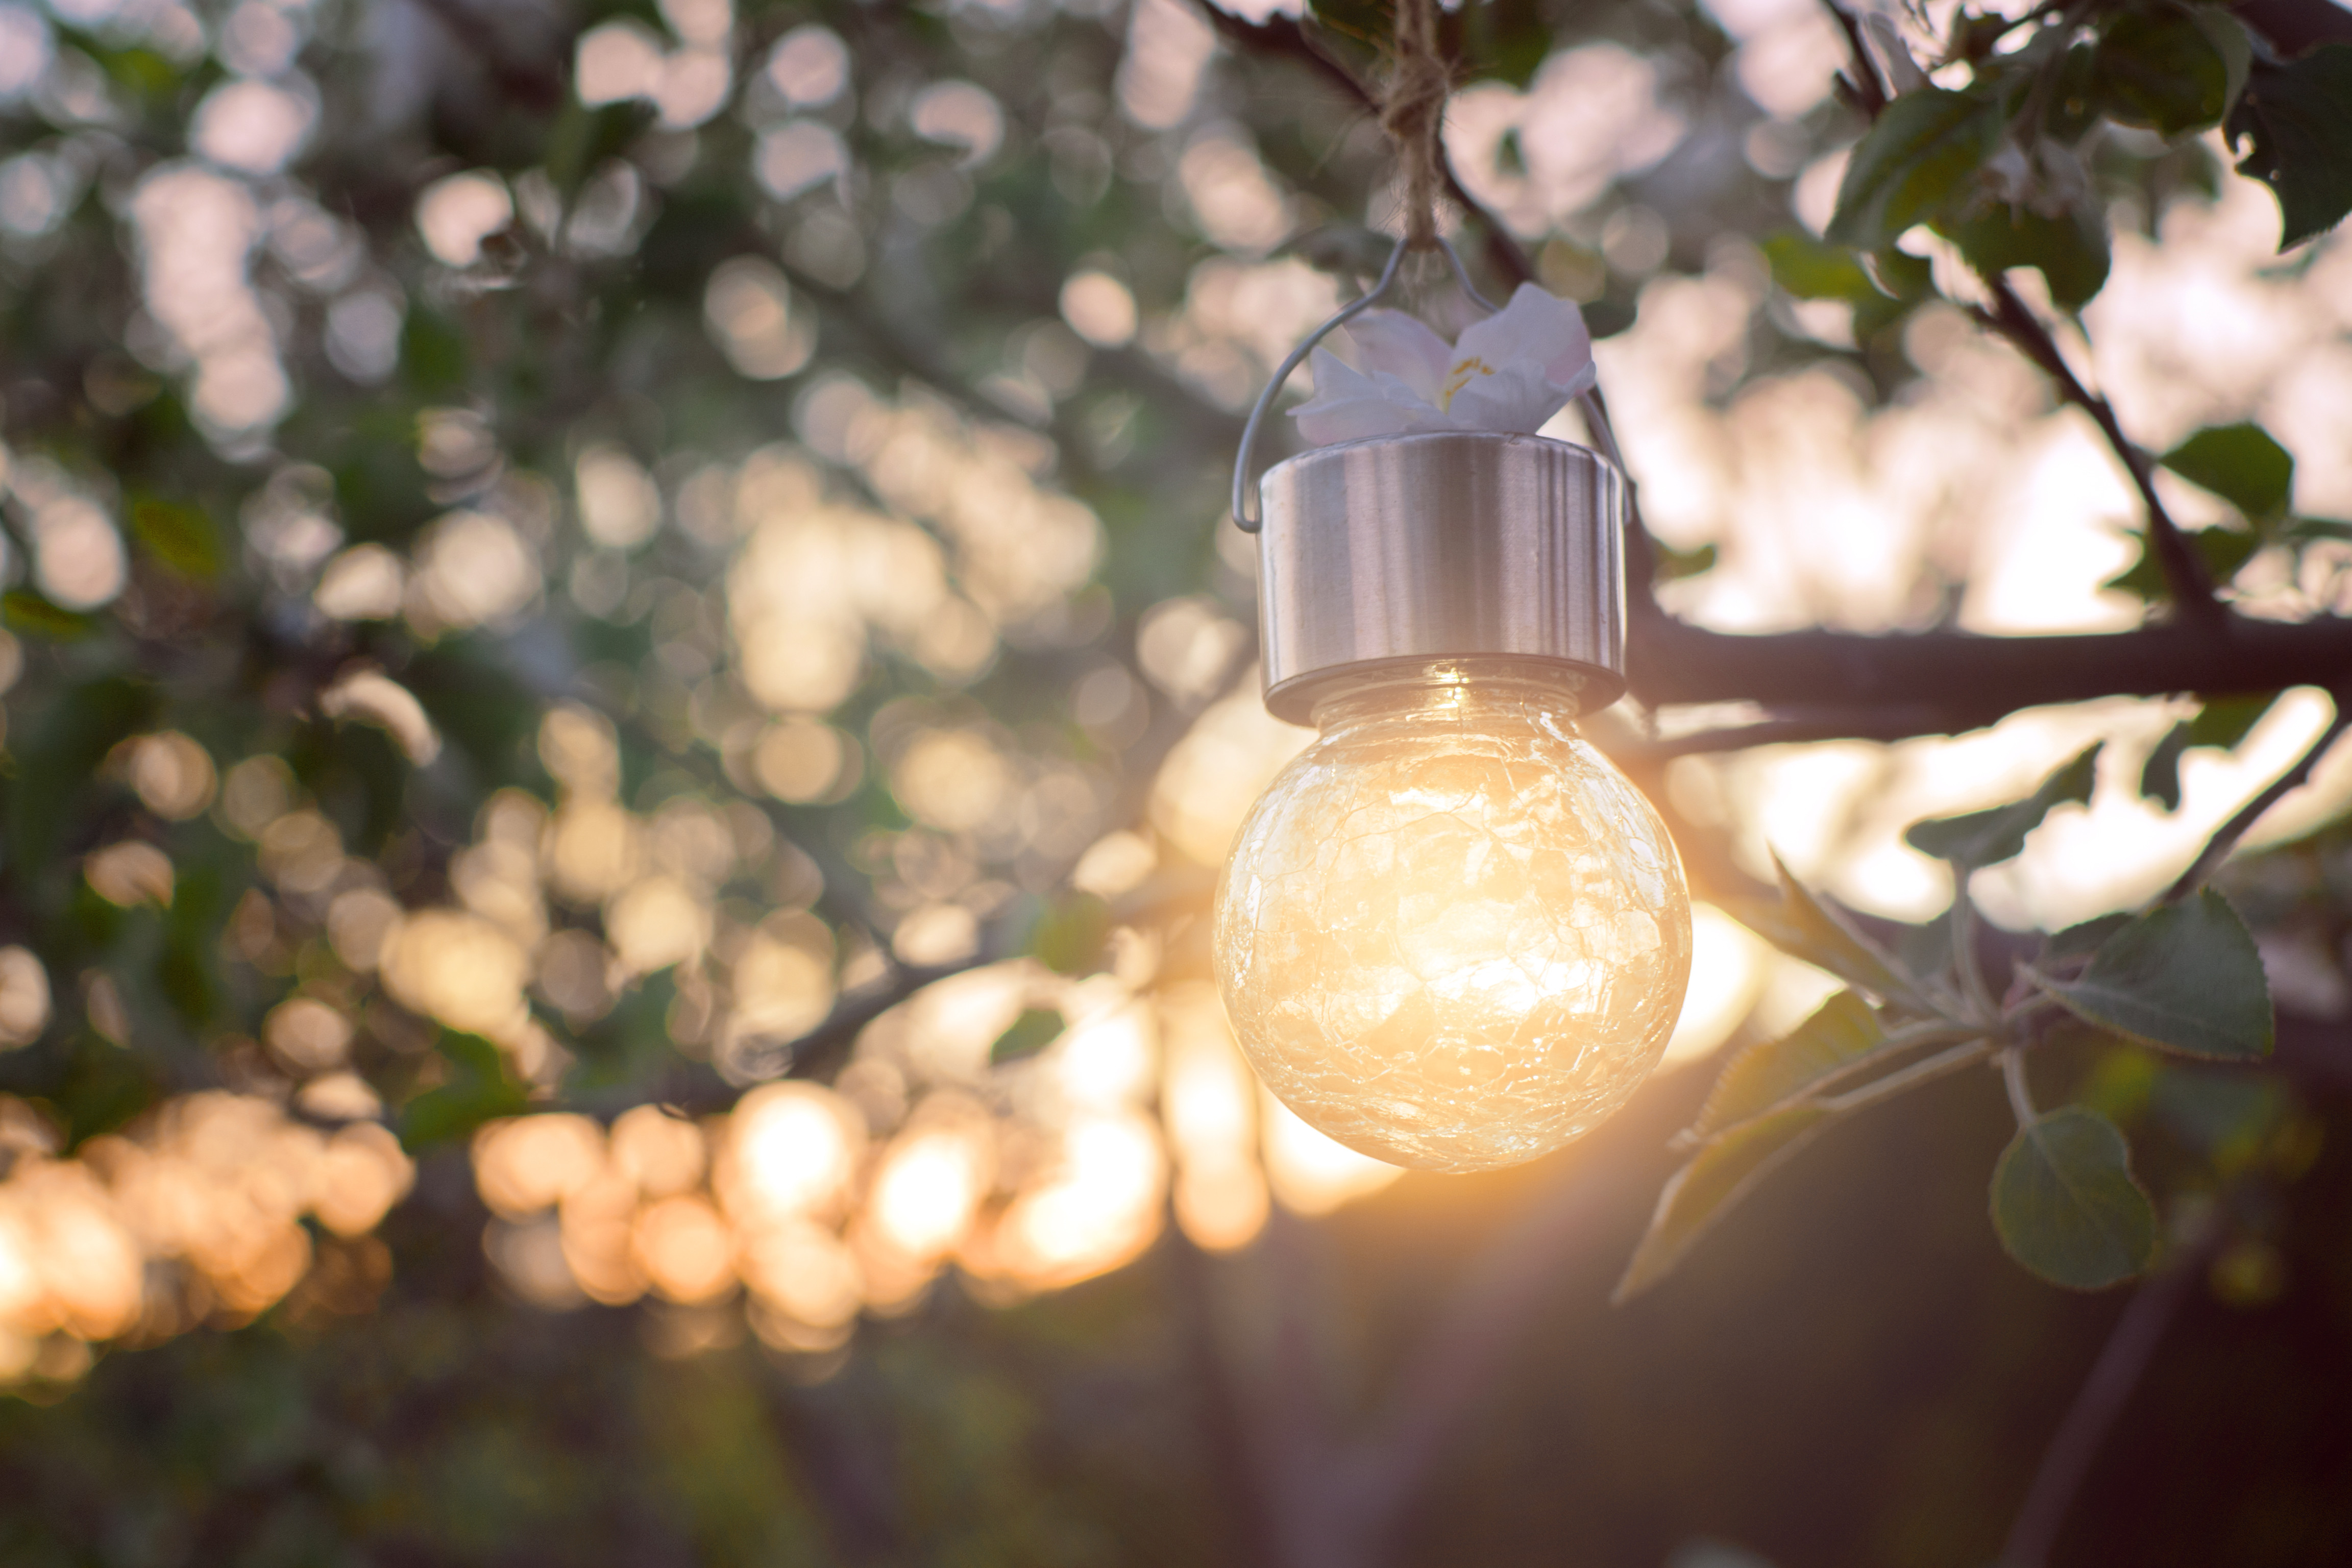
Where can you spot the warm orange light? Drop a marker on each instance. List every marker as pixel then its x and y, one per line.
pixel 1452 935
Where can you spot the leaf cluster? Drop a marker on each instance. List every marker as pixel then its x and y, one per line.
pixel 2181 979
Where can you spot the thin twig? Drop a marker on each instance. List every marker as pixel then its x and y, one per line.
pixel 2184 570
pixel 1910 1037
pixel 533 85
pixel 2020 1092
pixel 1935 1032
pixel 2217 849
pixel 1466 1352
pixel 1228 1440
pixel 1965 966
pixel 1870 94
pixel 2113 1377
pixel 1779 729
pixel 843 1463
pixel 1925 1070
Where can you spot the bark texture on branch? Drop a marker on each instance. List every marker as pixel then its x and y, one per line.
pixel 1928 682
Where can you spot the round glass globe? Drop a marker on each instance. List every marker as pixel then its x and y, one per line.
pixel 1451 935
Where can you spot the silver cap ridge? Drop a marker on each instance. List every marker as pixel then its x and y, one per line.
pixel 1402 549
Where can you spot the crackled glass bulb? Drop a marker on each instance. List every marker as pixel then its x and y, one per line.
pixel 1451 935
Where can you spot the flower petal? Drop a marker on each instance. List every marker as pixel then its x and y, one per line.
pixel 1349 405
pixel 1536 329
pixel 1516 398
pixel 1403 347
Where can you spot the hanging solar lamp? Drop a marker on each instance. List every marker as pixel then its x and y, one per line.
pixel 1449 934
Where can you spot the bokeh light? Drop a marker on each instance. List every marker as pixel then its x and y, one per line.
pixel 685 612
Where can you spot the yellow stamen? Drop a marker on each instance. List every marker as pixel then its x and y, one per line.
pixel 1459 377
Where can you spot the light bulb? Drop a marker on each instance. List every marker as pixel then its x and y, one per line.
pixel 1451 935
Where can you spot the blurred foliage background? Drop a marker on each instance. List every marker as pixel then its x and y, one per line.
pixel 625 681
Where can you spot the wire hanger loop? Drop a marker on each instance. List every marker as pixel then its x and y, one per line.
pixel 1244 480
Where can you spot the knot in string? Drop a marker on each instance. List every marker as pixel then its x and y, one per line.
pixel 1410 112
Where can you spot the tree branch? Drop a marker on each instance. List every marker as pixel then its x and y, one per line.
pixel 2295 27
pixel 1869 92
pixel 1794 726
pixel 1252 1536
pixel 2184 571
pixel 2217 849
pixel 842 1462
pixel 1938 681
pixel 532 84
pixel 1284 37
pixel 2113 1377
pixel 1464 1353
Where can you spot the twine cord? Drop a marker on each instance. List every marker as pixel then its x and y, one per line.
pixel 1411 112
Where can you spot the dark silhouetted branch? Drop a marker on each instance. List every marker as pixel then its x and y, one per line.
pixel 2184 570
pixel 1937 681
pixel 2113 1377
pixel 533 84
pixel 844 1464
pixel 2294 27
pixel 1867 92
pixel 1464 1355
pixel 1285 37
pixel 1788 728
pixel 2217 849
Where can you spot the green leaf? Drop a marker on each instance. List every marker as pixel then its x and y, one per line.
pixel 1919 151
pixel 1901 275
pixel 1507 40
pixel 1803 927
pixel 2160 776
pixel 1036 1028
pixel 2066 1204
pixel 1881 288
pixel 1674 565
pixel 2069 250
pixel 2081 941
pixel 1068 938
pixel 103 1087
pixel 144 72
pixel 2183 977
pixel 32 616
pixel 2298 120
pixel 479 1088
pixel 2222 549
pixel 1721 1173
pixel 1989 838
pixel 2074 106
pixel 1510 157
pixel 1763 1075
pixel 58 747
pixel 2306 530
pixel 2170 68
pixel 2228 35
pixel 2240 463
pixel 1812 269
pixel 1973 36
pixel 2222 723
pixel 433 355
pixel 181 537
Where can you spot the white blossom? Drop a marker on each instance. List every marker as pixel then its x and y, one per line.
pixel 1511 372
